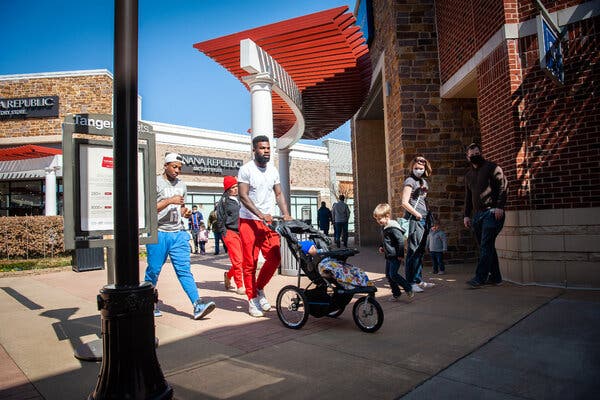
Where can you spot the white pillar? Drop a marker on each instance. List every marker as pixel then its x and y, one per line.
pixel 50 194
pixel 261 85
pixel 284 174
pixel 261 104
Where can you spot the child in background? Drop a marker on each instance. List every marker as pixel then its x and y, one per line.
pixel 392 240
pixel 437 243
pixel 202 238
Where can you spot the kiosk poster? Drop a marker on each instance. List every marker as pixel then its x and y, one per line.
pixel 96 177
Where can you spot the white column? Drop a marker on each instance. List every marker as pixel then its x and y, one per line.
pixel 261 104
pixel 284 174
pixel 261 85
pixel 50 194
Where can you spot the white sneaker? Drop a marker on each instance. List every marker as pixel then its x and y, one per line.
pixel 425 285
pixel 262 301
pixel 416 288
pixel 157 312
pixel 254 308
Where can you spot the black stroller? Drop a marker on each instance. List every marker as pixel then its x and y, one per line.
pixel 325 295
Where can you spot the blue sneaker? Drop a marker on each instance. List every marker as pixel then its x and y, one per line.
pixel 203 308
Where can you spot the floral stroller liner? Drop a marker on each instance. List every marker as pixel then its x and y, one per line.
pixel 347 275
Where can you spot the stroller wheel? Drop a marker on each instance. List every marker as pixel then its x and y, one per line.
pixel 292 307
pixel 367 314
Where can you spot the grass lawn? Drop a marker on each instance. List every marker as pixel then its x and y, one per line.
pixel 14 265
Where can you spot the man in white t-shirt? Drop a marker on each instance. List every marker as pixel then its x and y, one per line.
pixel 259 190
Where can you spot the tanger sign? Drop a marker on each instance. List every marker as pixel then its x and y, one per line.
pixel 29 107
pixel 98 123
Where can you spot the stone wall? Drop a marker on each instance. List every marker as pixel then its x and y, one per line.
pixel 77 94
pixel 304 173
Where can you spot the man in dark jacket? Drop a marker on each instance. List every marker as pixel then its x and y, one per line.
pixel 324 218
pixel 392 238
pixel 486 188
pixel 340 213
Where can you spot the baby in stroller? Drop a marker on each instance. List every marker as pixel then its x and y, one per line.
pixel 347 275
pixel 333 282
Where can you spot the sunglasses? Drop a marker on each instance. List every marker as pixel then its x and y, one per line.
pixel 421 160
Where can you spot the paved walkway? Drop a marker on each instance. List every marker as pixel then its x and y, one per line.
pixel 505 342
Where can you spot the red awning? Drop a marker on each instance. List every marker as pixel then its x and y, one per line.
pixel 326 56
pixel 27 152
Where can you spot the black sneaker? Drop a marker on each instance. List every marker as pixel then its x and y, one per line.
pixel 493 283
pixel 474 283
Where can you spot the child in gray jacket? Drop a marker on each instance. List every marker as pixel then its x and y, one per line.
pixel 437 243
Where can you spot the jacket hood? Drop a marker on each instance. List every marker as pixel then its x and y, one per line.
pixel 392 224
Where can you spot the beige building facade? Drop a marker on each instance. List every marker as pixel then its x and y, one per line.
pixel 212 154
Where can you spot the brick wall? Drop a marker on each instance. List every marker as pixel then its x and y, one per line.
pixel 418 120
pixel 464 26
pixel 497 76
pixel 528 8
pixel 560 128
pixel 77 94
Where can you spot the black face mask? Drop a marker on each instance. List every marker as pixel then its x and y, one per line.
pixel 477 159
pixel 262 159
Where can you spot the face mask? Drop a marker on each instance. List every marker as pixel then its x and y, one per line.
pixel 477 159
pixel 418 172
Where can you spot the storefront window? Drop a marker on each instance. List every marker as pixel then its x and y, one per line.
pixel 303 208
pixel 26 198
pixel 4 198
pixel 205 203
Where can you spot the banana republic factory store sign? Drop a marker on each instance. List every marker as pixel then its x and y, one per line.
pixel 29 107
pixel 204 165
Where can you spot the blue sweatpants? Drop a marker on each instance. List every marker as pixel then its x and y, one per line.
pixel 175 245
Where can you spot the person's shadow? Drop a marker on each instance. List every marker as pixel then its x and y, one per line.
pixel 74 329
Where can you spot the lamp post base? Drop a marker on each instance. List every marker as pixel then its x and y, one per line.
pixel 130 368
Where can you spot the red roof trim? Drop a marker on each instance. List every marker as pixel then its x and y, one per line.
pixel 326 56
pixel 27 152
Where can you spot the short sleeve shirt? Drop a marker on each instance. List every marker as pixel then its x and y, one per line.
pixel 169 218
pixel 260 182
pixel 418 193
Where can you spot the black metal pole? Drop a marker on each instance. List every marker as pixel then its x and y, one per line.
pixel 130 368
pixel 125 142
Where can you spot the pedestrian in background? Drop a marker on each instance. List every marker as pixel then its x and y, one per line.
pixel 227 224
pixel 202 238
pixel 212 219
pixel 486 188
pixel 173 240
pixel 324 218
pixel 194 225
pixel 437 243
pixel 340 213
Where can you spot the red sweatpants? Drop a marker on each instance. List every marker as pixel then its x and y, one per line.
pixel 256 236
pixel 234 249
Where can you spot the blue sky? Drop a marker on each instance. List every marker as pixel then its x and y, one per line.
pixel 178 84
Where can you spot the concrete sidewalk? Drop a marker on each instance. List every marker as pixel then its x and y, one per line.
pixel 499 342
